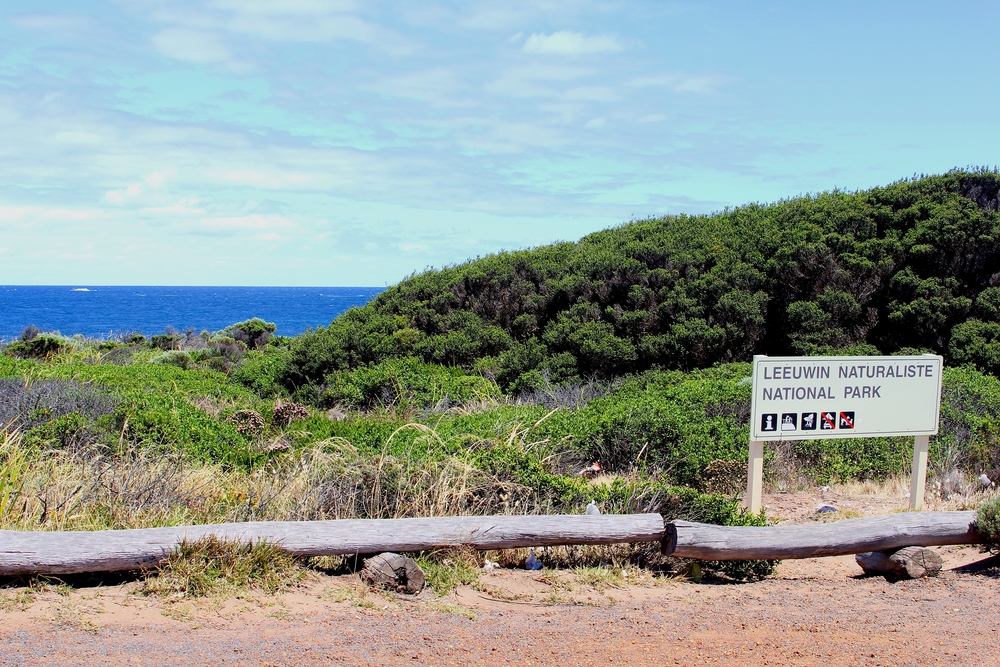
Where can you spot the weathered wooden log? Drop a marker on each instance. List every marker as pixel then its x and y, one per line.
pixel 393 572
pixel 908 562
pixel 38 552
pixel 851 536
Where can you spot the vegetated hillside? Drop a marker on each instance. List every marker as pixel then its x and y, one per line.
pixel 911 266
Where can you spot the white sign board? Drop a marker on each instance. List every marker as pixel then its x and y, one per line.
pixel 807 398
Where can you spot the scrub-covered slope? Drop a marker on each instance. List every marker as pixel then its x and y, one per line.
pixel 914 265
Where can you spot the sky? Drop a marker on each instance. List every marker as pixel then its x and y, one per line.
pixel 332 142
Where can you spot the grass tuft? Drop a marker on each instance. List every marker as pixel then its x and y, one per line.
pixel 212 566
pixel 447 569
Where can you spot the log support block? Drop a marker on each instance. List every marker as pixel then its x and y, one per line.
pixel 393 572
pixel 905 563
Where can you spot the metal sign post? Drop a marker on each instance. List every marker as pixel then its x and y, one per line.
pixel 806 398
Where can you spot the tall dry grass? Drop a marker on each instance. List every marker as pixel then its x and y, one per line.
pixel 93 488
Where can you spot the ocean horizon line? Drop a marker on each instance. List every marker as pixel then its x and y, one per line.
pixel 105 310
pixel 72 285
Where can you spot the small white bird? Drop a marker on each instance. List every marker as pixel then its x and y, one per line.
pixel 592 508
pixel 986 481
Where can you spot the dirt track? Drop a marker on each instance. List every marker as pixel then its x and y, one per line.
pixel 811 612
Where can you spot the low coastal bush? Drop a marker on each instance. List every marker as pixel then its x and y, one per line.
pixel 28 404
pixel 157 405
pixel 988 523
pixel 178 358
pixel 255 333
pixel 37 346
pixel 259 371
pixel 403 382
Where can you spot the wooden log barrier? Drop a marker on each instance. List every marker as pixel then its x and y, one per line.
pixel 876 533
pixel 40 552
pixel 69 552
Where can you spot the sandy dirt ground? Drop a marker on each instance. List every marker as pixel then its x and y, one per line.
pixel 811 612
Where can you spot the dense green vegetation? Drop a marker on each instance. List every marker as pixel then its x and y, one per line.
pixel 910 266
pixel 488 387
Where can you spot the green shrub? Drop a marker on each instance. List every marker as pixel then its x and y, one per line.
pixel 255 333
pixel 978 343
pixel 167 341
pixel 664 420
pixel 178 358
pixel 743 570
pixel 70 430
pixel 404 381
pixel 221 353
pixel 156 404
pixel 40 346
pixel 259 371
pixel 988 523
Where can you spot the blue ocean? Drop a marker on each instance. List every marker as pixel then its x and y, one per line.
pixel 96 311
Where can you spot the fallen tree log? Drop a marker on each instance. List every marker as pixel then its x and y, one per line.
pixel 69 552
pixel 887 532
pixel 908 562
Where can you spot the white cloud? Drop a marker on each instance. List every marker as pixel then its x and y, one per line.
pixel 256 221
pixel 75 137
pixel 572 44
pixel 157 178
pixel 682 83
pixel 185 207
pixel 300 28
pixel 595 123
pixel 275 178
pixel 26 215
pixel 285 7
pixel 57 25
pixel 591 94
pixel 530 81
pixel 287 21
pixel 119 197
pixel 192 45
pixel 438 86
